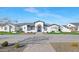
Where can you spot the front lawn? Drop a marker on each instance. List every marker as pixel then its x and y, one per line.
pixel 2 33
pixel 73 33
pixel 9 33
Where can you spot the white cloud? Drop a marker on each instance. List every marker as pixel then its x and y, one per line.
pixel 46 16
pixel 31 10
pixel 50 14
pixel 43 14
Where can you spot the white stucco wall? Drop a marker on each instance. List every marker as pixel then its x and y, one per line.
pixel 78 28
pixel 1 28
pixel 13 28
pixel 24 28
pixel 8 29
pixel 54 28
pixel 64 29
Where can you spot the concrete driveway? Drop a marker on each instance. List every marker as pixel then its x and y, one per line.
pixel 39 48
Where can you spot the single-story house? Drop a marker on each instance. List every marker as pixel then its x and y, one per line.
pixel 65 28
pixel 38 26
pixel 73 26
pixel 7 27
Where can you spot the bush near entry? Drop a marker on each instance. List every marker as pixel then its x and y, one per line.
pixel 4 44
pixel 16 45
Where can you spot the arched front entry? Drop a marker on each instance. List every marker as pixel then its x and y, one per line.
pixel 39 28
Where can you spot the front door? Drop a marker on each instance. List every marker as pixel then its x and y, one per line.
pixel 39 29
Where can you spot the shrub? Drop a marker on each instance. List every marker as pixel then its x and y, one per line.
pixel 4 44
pixel 74 44
pixel 16 45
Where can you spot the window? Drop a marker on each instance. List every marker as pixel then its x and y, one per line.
pixel 28 25
pixel 32 27
pixel 69 25
pixel 5 28
pixel 24 27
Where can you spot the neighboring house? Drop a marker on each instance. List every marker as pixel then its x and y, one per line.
pixel 4 27
pixel 53 28
pixel 73 26
pixel 65 28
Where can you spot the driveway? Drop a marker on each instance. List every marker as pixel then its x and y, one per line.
pixel 39 48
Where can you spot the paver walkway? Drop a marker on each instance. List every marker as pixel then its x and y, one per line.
pixel 39 48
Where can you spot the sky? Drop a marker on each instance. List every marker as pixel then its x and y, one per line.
pixel 51 15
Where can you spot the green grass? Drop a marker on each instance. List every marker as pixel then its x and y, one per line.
pixel 72 33
pixel 19 33
pixel 2 33
pixel 9 33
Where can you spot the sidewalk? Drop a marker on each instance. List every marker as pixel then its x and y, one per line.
pixel 39 48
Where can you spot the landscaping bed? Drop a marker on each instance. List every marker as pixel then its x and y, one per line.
pixel 65 46
pixel 11 47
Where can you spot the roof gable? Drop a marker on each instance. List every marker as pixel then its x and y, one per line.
pixel 65 26
pixel 21 24
pixel 39 21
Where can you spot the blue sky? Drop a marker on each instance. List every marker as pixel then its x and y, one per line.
pixel 52 15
